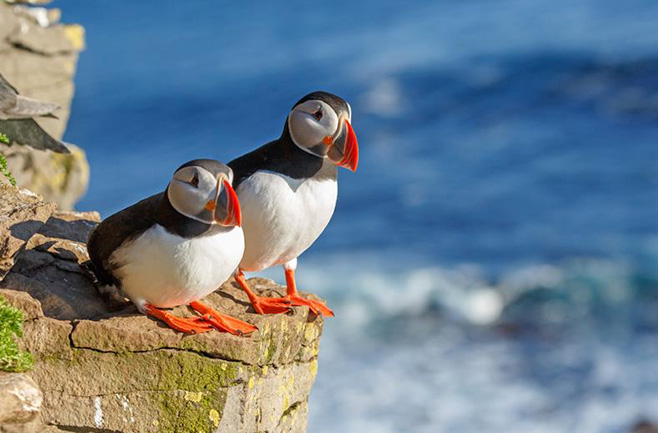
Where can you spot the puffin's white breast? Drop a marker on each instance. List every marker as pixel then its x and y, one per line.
pixel 282 216
pixel 167 270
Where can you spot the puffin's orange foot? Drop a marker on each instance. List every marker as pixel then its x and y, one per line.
pixel 222 322
pixel 264 305
pixel 192 325
pixel 317 307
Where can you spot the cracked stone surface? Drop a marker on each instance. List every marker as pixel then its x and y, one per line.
pixel 39 58
pixel 22 213
pixel 104 367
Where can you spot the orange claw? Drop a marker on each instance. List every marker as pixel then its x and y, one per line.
pixel 316 307
pixel 222 322
pixel 192 325
pixel 262 304
pixel 293 296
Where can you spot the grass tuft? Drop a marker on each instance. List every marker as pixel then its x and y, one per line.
pixel 4 170
pixel 12 358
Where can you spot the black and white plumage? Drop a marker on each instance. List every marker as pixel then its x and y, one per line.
pixel 17 115
pixel 174 247
pixel 288 190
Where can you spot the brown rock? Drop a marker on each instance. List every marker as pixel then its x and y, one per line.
pixel 122 371
pixel 22 213
pixel 49 268
pixel 40 62
pixel 61 178
pixel 71 226
pixel 47 41
pixel 20 399
pixel 20 405
pixel 47 337
pixel 23 301
pixel 39 15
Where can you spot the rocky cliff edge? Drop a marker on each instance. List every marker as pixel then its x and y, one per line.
pixel 102 367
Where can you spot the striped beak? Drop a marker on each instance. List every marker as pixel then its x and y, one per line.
pixel 227 210
pixel 344 148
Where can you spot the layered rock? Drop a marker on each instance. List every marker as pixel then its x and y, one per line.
pixel 22 213
pixel 38 57
pixel 111 369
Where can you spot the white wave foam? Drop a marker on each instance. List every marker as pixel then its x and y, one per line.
pixel 364 289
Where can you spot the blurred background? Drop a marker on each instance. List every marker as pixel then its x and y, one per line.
pixel 492 263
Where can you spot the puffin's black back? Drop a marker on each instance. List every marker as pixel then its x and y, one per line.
pixel 115 230
pixel 281 156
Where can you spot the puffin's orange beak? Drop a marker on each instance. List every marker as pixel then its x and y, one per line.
pixel 227 212
pixel 344 150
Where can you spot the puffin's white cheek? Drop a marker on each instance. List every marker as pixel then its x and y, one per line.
pixel 305 130
pixel 186 199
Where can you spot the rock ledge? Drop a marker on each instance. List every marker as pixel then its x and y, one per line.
pixel 102 370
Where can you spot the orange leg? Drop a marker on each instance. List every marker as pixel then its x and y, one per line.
pixel 316 306
pixel 222 322
pixel 193 325
pixel 262 304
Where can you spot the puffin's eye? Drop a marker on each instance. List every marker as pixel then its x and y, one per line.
pixel 195 180
pixel 318 114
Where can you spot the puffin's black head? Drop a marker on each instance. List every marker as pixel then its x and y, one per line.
pixel 201 190
pixel 319 123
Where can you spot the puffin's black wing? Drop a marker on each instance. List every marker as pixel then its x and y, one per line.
pixel 115 230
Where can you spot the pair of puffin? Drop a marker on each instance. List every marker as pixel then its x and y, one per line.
pixel 215 220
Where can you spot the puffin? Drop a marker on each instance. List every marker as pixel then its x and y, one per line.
pixel 175 247
pixel 17 114
pixel 288 190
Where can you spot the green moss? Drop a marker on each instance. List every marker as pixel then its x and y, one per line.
pixel 12 358
pixel 4 170
pixel 193 372
pixel 189 390
pixel 203 385
pixel 191 412
pixel 196 387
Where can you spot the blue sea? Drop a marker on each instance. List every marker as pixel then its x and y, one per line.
pixel 493 263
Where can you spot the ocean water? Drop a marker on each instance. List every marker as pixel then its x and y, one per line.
pixel 492 263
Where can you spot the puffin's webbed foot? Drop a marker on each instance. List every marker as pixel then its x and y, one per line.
pixel 222 322
pixel 262 304
pixel 265 305
pixel 191 325
pixel 316 307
